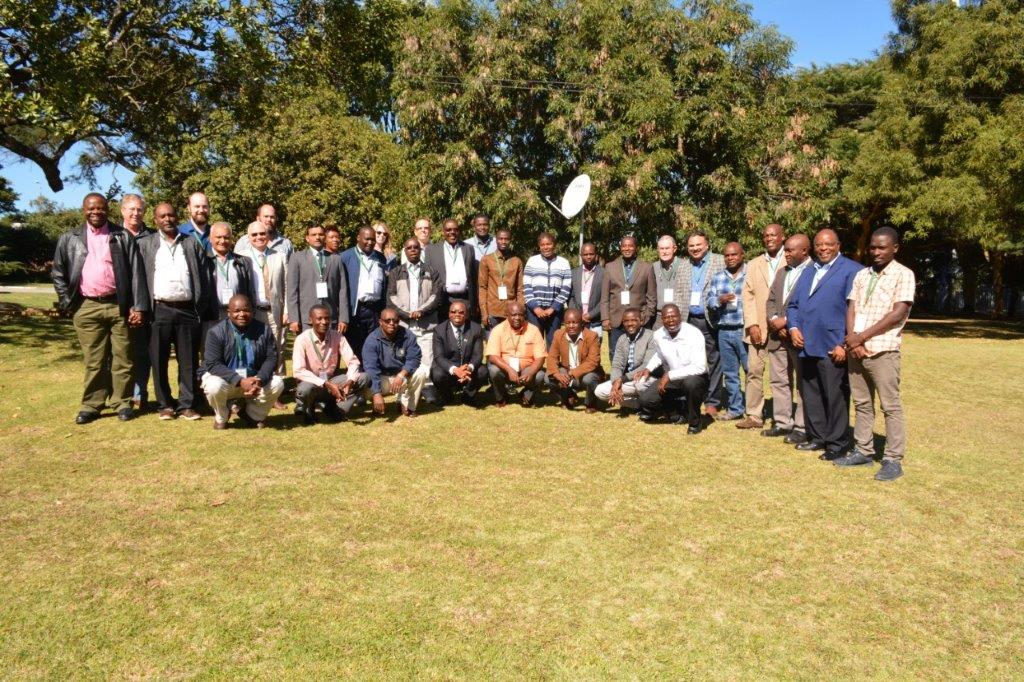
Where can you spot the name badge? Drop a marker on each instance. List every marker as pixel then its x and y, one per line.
pixel 624 297
pixel 225 295
pixel 860 323
pixel 321 289
pixel 242 373
pixel 513 363
pixel 694 299
pixel 667 295
pixel 502 293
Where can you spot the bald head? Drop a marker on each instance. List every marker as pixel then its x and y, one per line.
pixel 826 245
pixel 797 249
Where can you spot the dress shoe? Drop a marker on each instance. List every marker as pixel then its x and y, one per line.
pixel 646 417
pixel 775 432
pixel 749 423
pixel 569 402
pixel 219 426
pixel 591 410
pixel 809 445
pixel 167 414
pixel 190 415
pixel 692 430
pixel 126 414
pixel 832 455
pixel 86 417
pixel 501 403
pixel 795 437
pixel 854 459
pixel 890 471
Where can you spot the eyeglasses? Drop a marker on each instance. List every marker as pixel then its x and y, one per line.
pixel 381 232
pixel 257 234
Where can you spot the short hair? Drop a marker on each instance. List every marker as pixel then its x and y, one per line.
pixel 670 306
pixel 319 306
pixel 331 228
pixel 313 227
pixel 133 198
pixel 576 311
pixel 630 237
pixel 503 229
pixel 458 301
pixel 220 224
pixel 546 235
pixel 90 195
pixel 480 215
pixel 450 220
pixel 697 233
pixel 392 309
pixel 668 237
pixel 886 231
pixel 632 310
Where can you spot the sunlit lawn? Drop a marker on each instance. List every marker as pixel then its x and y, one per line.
pixel 509 543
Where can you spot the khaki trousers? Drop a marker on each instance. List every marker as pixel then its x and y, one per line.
pixel 220 393
pixel 784 377
pixel 106 350
pixel 878 374
pixel 631 391
pixel 409 394
pixel 757 357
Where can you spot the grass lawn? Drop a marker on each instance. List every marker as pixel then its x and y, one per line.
pixel 509 543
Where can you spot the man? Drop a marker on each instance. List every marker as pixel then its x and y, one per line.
pixel 315 278
pixel 816 319
pixel 878 308
pixel 681 357
pixel 422 230
pixel 725 305
pixel 501 281
pixel 632 353
pixel 317 355
pixel 585 294
pixel 515 356
pixel 757 286
pixel 230 275
pixel 574 362
pixel 239 361
pixel 665 274
pixel 391 359
pixel 414 289
pixel 482 241
pixel 266 215
pixel 458 353
pixel 547 283
pixel 332 239
pixel 270 271
pixel 198 225
pixel 456 266
pixel 366 282
pixel 99 281
pixel 628 281
pixel 783 357
pixel 693 280
pixel 178 279
pixel 133 208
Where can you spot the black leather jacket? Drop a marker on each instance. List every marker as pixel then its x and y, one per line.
pixel 69 258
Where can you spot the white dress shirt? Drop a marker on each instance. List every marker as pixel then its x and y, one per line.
pixel 683 356
pixel 370 276
pixel 170 272
pixel 455 281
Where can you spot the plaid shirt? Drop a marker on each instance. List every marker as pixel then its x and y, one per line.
pixel 731 314
pixel 893 285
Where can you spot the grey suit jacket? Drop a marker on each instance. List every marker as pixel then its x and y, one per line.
pixel 435 258
pixel 645 348
pixel 576 295
pixel 681 291
pixel 643 292
pixel 301 287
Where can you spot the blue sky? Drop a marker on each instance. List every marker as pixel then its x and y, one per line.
pixel 824 32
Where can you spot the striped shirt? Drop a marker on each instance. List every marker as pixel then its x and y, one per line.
pixel 547 283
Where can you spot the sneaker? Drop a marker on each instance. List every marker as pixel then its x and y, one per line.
pixel 167 414
pixel 190 415
pixel 854 459
pixel 890 471
pixel 749 422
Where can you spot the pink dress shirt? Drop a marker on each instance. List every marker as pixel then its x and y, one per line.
pixel 306 364
pixel 98 270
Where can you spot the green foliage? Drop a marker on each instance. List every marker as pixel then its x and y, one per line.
pixel 7 196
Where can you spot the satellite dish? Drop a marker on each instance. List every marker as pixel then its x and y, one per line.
pixel 576 195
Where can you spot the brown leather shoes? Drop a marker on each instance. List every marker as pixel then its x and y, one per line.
pixel 749 422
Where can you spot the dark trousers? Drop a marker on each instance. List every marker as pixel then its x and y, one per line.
pixel 501 385
pixel 713 397
pixel 587 382
pixel 547 326
pixel 362 324
pixel 825 393
pixel 140 359
pixel 683 396
pixel 449 387
pixel 179 327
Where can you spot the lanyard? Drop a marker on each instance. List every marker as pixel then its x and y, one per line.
pixel 366 263
pixel 627 274
pixel 875 276
pixel 316 349
pixel 241 348
pixel 790 281
pixel 697 274
pixel 455 252
pixel 318 262
pixel 735 283
pixel 519 339
pixel 224 270
pixel 773 265
pixel 671 272
pixel 588 279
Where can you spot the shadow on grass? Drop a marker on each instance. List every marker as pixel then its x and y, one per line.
pixel 26 331
pixel 961 328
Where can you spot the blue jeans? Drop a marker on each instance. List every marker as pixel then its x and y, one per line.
pixel 734 355
pixel 547 326
pixel 140 360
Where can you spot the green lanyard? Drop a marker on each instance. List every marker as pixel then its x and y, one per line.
pixel 455 252
pixel 318 262
pixel 365 263
pixel 773 265
pixel 239 348
pixel 224 272
pixel 316 349
pixel 671 272
pixel 875 276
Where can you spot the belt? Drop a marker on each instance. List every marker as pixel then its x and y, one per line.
pixel 175 304
pixel 730 327
pixel 109 298
pixel 264 308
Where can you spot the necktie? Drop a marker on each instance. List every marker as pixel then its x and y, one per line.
pixel 458 341
pixel 631 357
pixel 266 278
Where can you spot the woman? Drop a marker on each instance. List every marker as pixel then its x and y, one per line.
pixel 382 244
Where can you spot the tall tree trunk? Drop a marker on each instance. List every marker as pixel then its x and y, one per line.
pixel 997 260
pixel 865 233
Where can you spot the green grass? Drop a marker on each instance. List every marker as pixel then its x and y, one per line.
pixel 509 543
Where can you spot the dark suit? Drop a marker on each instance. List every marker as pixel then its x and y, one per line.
pixel 435 257
pixel 820 315
pixel 594 302
pixel 783 360
pixel 177 324
pixel 220 352
pixel 363 316
pixel 448 354
pixel 300 287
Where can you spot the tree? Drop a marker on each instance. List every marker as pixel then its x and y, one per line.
pixel 7 197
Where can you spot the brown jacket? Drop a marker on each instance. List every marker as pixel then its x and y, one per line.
pixel 589 359
pixel 489 278
pixel 643 292
pixel 756 287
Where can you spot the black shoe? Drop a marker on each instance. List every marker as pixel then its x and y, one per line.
pixel 775 432
pixel 692 430
pixel 796 437
pixel 854 459
pixel 333 413
pixel 126 414
pixel 890 471
pixel 86 417
pixel 832 455
pixel 646 417
pixel 809 445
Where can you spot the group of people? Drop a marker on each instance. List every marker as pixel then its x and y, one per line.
pixel 445 319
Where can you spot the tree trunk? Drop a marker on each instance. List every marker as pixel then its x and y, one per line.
pixel 865 233
pixel 969 264
pixel 998 307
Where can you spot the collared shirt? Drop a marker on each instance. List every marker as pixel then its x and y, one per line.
pixel 415 271
pixel 460 336
pixel 698 275
pixel 98 269
pixel 383 357
pixel 244 356
pixel 498 271
pixel 631 365
pixel 527 344
pixel 791 277
pixel 574 350
pixel 260 260
pixel 481 248
pixel 731 314
pixel 627 270
pixel 874 295
pixel 774 263
pixel 820 269
pixel 586 286
pixel 190 230
pixel 370 288
pixel 455 279
pixel 281 244
pixel 227 279
pixel 170 272
pixel 316 361
pixel 320 263
pixel 683 355
pixel 665 278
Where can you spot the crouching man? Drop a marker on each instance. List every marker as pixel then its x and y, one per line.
pixel 316 360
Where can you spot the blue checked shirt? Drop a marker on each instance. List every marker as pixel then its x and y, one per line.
pixel 731 314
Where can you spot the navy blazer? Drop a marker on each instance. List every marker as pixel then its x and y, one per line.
pixel 220 350
pixel 350 261
pixel 821 316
